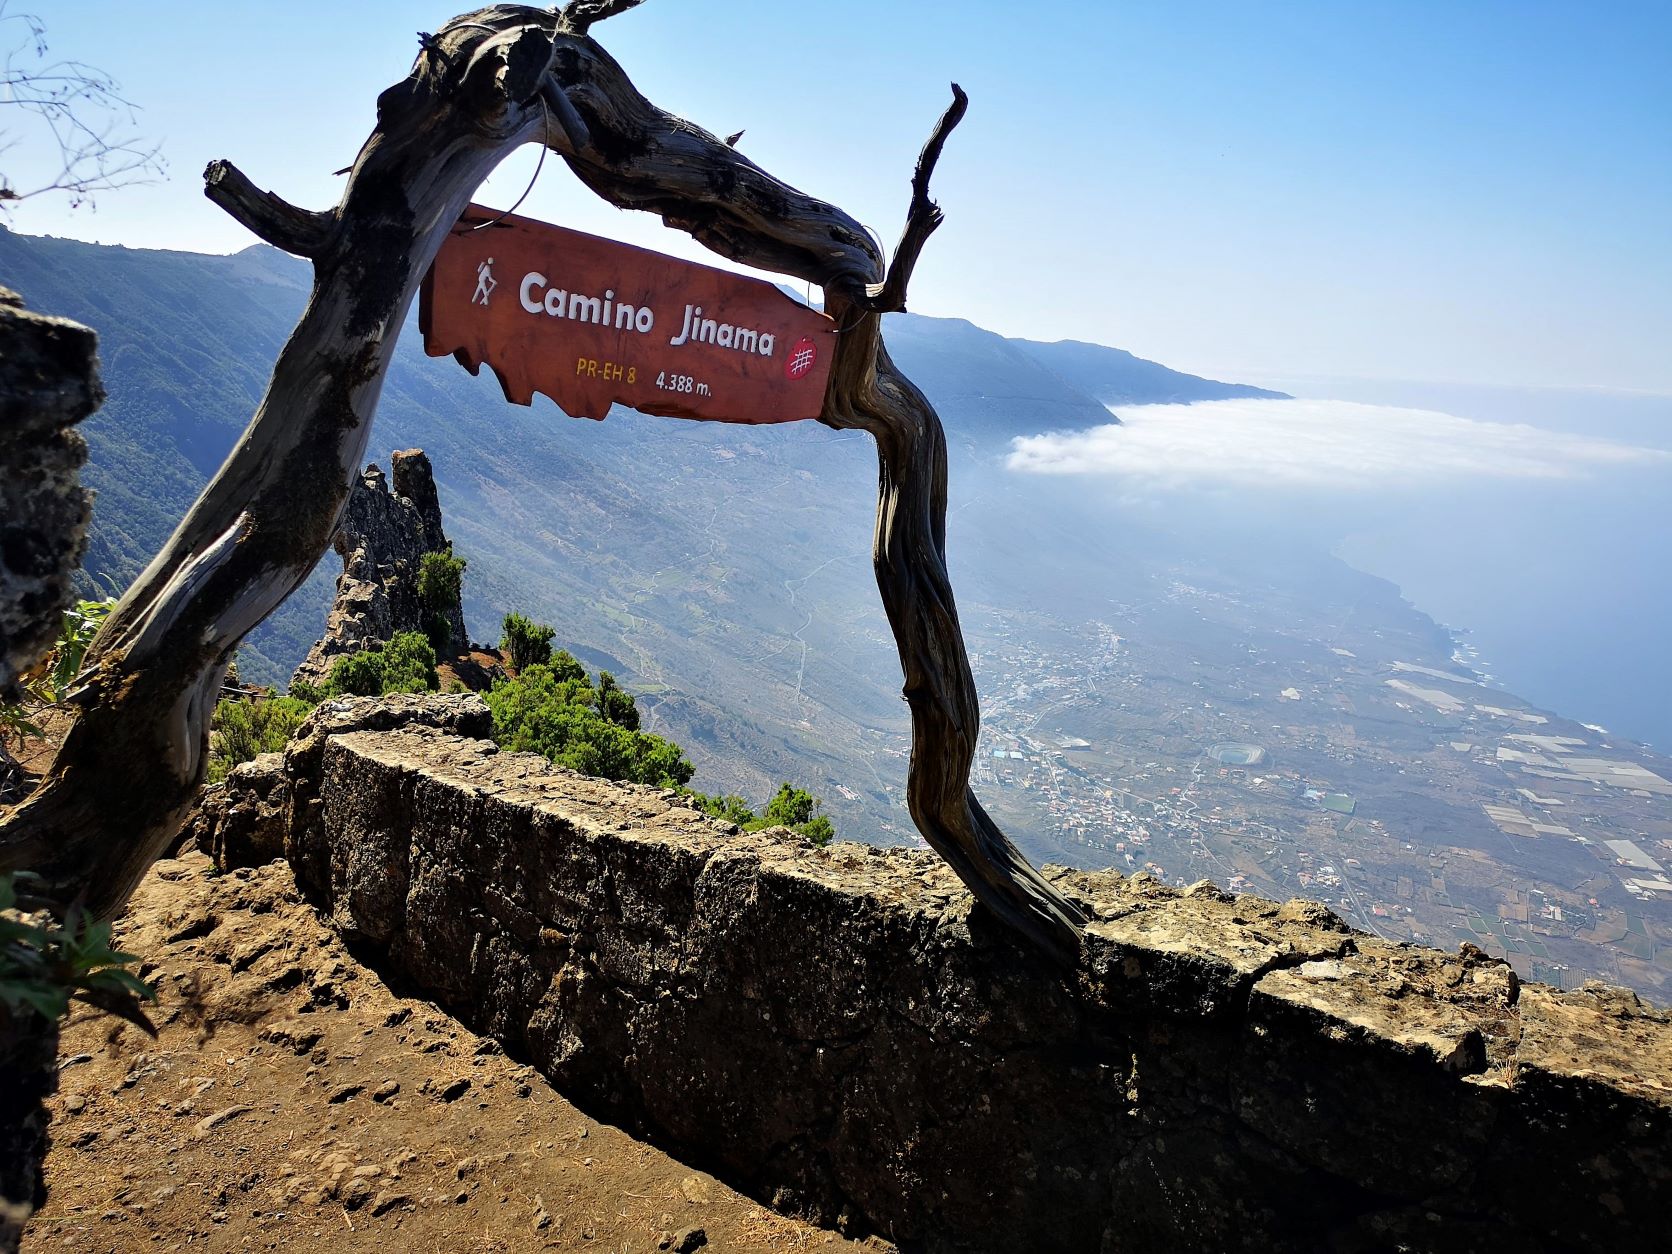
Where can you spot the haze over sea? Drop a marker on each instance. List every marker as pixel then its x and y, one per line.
pixel 1535 523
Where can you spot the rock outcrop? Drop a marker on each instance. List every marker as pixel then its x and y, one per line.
pixel 385 532
pixel 836 1031
pixel 49 382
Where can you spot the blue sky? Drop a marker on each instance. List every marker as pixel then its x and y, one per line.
pixel 1467 192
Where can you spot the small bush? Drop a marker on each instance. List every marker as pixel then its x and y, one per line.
pixel 529 643
pixel 818 829
pixel 614 704
pixel 565 668
pixel 357 675
pixel 409 664
pixel 553 710
pixel 792 807
pixel 405 664
pixel 727 807
pixel 50 680
pixel 440 584
pixel 242 729
pixel 302 690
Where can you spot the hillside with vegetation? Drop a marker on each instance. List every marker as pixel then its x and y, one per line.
pixel 688 558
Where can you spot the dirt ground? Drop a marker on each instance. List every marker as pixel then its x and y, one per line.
pixel 293 1101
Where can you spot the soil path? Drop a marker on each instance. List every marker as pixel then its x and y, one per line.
pixel 293 1101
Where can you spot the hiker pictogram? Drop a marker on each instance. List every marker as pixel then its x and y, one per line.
pixel 485 283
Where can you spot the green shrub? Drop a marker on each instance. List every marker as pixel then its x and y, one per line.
pixel 727 807
pixel 613 703
pixel 440 583
pixel 529 643
pixel 81 623
pixel 552 710
pixel 798 809
pixel 791 807
pixel 405 664
pixel 564 667
pixel 242 729
pixel 302 690
pixel 50 682
pixel 357 675
pixel 818 829
pixel 409 664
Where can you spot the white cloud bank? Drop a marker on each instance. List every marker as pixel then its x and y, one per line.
pixel 1315 443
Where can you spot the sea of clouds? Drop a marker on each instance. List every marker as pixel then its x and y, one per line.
pixel 1331 444
pixel 1549 545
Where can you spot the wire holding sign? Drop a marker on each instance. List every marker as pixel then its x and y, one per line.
pixel 592 322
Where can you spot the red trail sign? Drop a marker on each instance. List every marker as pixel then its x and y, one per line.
pixel 591 322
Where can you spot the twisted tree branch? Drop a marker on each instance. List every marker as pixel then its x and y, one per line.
pixel 922 216
pixel 269 217
pixel 579 16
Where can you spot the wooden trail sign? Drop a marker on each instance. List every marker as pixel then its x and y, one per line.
pixel 592 322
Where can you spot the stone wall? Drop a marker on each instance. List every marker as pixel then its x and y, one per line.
pixel 836 1032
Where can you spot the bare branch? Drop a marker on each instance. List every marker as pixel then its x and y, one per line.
pixel 567 117
pixel 923 216
pixel 579 16
pixel 70 109
pixel 304 232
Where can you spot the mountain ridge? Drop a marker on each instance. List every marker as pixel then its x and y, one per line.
pixel 725 570
pixel 1114 376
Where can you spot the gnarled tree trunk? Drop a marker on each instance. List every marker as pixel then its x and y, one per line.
pixel 487 83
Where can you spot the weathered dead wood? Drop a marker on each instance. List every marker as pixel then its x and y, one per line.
pixel 271 219
pixel 486 83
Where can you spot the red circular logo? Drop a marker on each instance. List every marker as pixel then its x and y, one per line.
pixel 801 358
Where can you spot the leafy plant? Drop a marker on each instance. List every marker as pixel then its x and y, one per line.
pixel 302 690
pixel 243 728
pixel 554 710
pixel 728 807
pixel 50 681
pixel 440 583
pixel 357 675
pixel 45 964
pixel 81 623
pixel 791 807
pixel 615 704
pixel 405 664
pixel 409 664
pixel 529 643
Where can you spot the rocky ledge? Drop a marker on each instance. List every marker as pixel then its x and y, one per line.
pixel 840 1033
